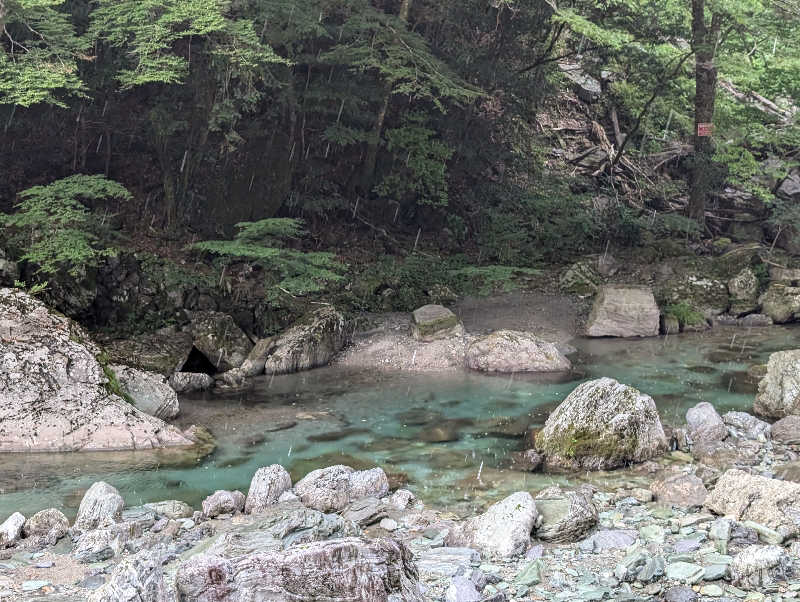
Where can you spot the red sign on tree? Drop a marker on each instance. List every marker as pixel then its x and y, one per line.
pixel 705 129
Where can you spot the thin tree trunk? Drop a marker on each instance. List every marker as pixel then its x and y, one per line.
pixel 705 45
pixel 375 137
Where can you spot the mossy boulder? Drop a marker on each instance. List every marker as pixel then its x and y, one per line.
pixel 310 343
pixel 602 424
pixel 217 336
pixel 580 279
pixel 434 322
pixel 781 303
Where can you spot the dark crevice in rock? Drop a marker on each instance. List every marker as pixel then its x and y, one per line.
pixel 197 362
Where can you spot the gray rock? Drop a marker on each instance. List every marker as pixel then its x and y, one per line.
pixel 609 539
pixel 624 312
pixel 715 572
pixel 335 487
pixel 779 390
pixel 101 506
pixel 769 502
pixel 504 530
pixel 310 343
pixel 447 561
pixel 11 530
pixel 681 594
pixel 743 289
pixel 685 572
pixel 138 578
pixel 50 524
pixel 781 303
pixel 223 502
pixel 760 566
pixel 99 544
pixel 602 424
pixel 255 361
pixel 219 339
pixel 515 351
pixel 355 569
pixel 747 425
pixel 434 322
pixel 266 486
pixel 402 499
pixel 189 382
pixel 54 394
pixel 705 424
pixel 161 352
pixel 755 321
pixel 171 509
pixel 150 392
pixel 366 511
pixel 682 490
pixel 461 589
pixel 565 519
pixel 787 430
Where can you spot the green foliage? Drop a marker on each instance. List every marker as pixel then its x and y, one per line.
pixel 419 168
pixel 55 230
pixel 38 58
pixel 398 285
pixel 685 314
pixel 488 279
pixel 288 270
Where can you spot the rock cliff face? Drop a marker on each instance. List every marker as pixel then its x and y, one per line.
pixel 55 395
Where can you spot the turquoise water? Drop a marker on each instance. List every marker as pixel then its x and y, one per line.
pixel 446 435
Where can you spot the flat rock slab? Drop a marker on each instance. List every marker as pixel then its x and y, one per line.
pixel 624 312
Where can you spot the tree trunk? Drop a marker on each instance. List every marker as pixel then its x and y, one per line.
pixel 704 40
pixel 375 138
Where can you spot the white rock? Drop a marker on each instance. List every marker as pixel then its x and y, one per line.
pixel 101 506
pixel 266 488
pixel 11 530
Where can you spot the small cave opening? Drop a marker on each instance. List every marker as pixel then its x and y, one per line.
pixel 197 362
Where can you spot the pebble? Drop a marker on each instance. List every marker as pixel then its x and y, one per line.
pixel 714 591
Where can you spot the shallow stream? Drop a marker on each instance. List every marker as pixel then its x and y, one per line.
pixel 447 436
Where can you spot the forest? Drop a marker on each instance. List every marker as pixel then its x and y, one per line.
pixel 343 148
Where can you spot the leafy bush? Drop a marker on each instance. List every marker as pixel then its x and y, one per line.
pixel 684 313
pixel 54 230
pixel 488 279
pixel 264 243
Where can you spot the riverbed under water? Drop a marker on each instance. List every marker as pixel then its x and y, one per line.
pixel 447 436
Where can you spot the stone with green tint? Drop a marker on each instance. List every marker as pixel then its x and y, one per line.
pixel 765 534
pixel 530 575
pixel 685 572
pixel 652 533
pixel 715 591
pixel 432 322
pixel 715 572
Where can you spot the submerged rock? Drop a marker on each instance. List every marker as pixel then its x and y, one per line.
pixel 266 486
pixel 779 390
pixel 346 569
pixel 333 488
pixel 433 322
pixel 55 394
pixel 148 391
pixel 504 530
pixel 310 343
pixel 515 351
pixel 624 312
pixel 219 339
pixel 602 424
pixel 769 502
pixel 101 506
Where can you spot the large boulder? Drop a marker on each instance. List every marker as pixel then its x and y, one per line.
pixel 138 578
pixel 781 303
pixel 11 530
pixel 333 488
pixel 693 283
pixel 148 391
pixel 602 424
pixel 515 351
pixel 769 502
pixel 50 524
pixel 56 396
pixel 219 339
pixel 624 311
pixel 266 486
pixel 434 322
pixel 779 390
pixel 758 567
pixel 310 343
pixel 352 568
pixel 101 506
pixel 504 530
pixel 164 353
pixel 743 290
pixel 566 518
pixel 787 430
pixel 705 424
